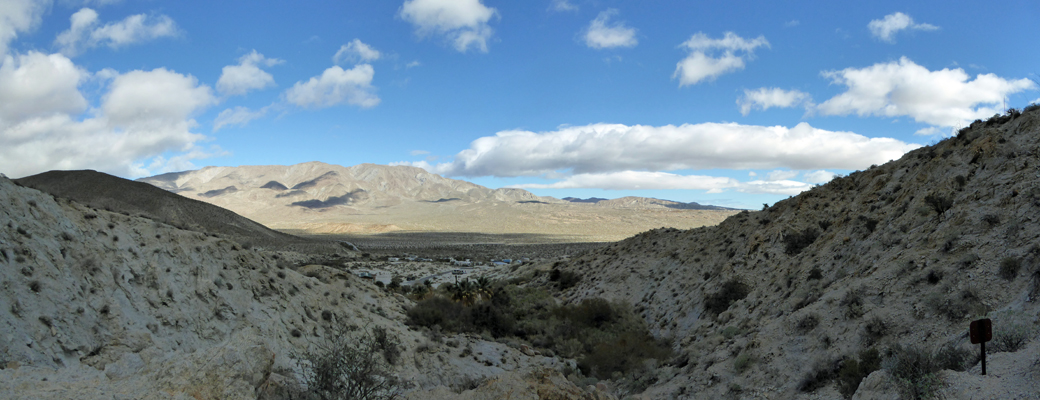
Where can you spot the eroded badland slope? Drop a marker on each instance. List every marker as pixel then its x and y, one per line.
pixel 96 304
pixel 775 303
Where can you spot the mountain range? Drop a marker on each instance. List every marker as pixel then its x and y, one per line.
pixel 321 198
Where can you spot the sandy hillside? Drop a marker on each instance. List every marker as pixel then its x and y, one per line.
pixel 322 198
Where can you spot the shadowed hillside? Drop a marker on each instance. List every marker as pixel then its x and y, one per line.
pixel 813 295
pixel 103 191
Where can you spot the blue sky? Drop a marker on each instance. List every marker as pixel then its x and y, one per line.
pixel 728 103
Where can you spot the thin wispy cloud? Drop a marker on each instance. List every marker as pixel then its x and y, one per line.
pixel 86 32
pixel 886 28
pixel 766 98
pixel 602 33
pixel 356 52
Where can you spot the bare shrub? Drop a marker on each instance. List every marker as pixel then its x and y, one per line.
pixel 350 363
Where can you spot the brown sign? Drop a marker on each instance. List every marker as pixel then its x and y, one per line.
pixel 981 331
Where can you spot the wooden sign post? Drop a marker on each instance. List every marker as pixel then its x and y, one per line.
pixel 981 332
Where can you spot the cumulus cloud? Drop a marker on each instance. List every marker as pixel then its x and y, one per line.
pixel 84 32
pixel 46 123
pixel 886 28
pixel 602 34
pixel 710 58
pixel 39 85
pixel 766 98
pixel 18 16
pixel 237 116
pixel 462 22
pixel 605 148
pixel 335 86
pixel 781 175
pixel 247 75
pixel 354 52
pixel 946 98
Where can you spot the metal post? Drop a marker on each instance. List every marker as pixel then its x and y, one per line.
pixel 983 358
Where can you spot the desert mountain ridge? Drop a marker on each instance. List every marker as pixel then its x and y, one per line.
pixel 316 197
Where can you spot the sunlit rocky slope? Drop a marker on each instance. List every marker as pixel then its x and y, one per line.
pixel 316 197
pixel 100 305
pixel 775 303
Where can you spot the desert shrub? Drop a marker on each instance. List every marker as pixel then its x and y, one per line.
pixel 934 276
pixel 819 376
pixel 731 291
pixel 569 279
pixel 1010 339
pixel 807 323
pixel 991 219
pixel 815 274
pixel 824 224
pixel 622 354
pixel 915 371
pixel 874 329
pixel 742 362
pixel 853 371
pixel 796 242
pixel 1009 267
pixel 957 307
pixel 853 304
pixel 350 363
pixel 957 358
pixel 938 203
pixel 730 331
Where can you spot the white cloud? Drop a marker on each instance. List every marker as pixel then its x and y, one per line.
pixel 418 152
pixel 562 5
pixel 645 180
pixel 781 175
pixel 38 85
pixel 782 187
pixel 132 99
pixel 820 176
pixel 84 32
pixel 354 52
pixel 237 116
pixel 602 34
pixel 18 16
pixel 413 64
pixel 604 148
pixel 335 86
pixel 886 29
pixel 47 129
pixel 247 75
pixel 792 23
pixel 699 65
pixel 637 180
pixel 463 22
pixel 931 130
pixel 945 98
pixel 766 98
